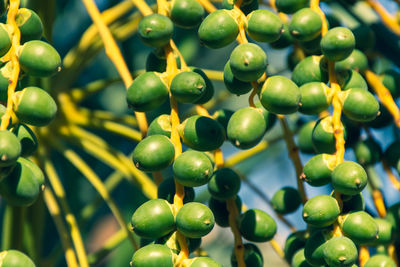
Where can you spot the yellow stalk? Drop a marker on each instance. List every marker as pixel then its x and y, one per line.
pixel 389 20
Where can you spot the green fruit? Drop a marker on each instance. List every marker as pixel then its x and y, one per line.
pixel 385 232
pixel 294 242
pixel 154 153
pixel 29 24
pixel 209 90
pixel 187 87
pixel 299 260
pixel 234 85
pixel 360 227
pixel 160 125
pixel 5 76
pixel 15 258
pixel 218 29
pixel 355 61
pixel 315 97
pixel 304 138
pixel 147 92
pixel 269 117
pixel 153 219
pixel 5 40
pixel 264 26
pixel 246 128
pixel 257 226
pixel 221 212
pixel 203 262
pixel 153 255
pixel 192 168
pixel 338 43
pixel 314 247
pixel 351 79
pixel 202 133
pixel 36 171
pixel 194 220
pixel 290 6
pixel 305 25
pixel 311 47
pixel 155 30
pixel 393 216
pixel 20 187
pixel 323 138
pixel 359 105
pixel 310 69
pixel 186 13
pixel 248 62
pixel 34 106
pixel 222 116
pixel 293 58
pixel 280 95
pixel 39 59
pixel 321 211
pixel 380 261
pixel 353 203
pixel 252 256
pixel 318 170
pixel 367 152
pixel 391 80
pixel 284 40
pixel 224 184
pixel 167 190
pixel 10 148
pixel 286 200
pixel 349 178
pixel 340 251
pixel 27 138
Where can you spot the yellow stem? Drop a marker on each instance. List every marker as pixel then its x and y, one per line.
pixel 143 7
pixel 202 111
pixel 392 253
pixel 214 75
pixel 392 178
pixel 219 158
pixel 15 41
pixel 239 248
pixel 363 255
pixel 207 6
pixel 245 154
pixel 389 20
pixel 378 202
pixel 314 5
pixel 277 248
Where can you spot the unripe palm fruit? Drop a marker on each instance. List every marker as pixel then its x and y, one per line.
pixel 385 232
pixel 220 210
pixel 290 6
pixel 348 79
pixel 155 30
pixel 269 117
pixel 252 256
pixel 304 141
pixel 223 116
pixel 166 190
pixel 264 26
pixel 318 170
pixel 39 59
pixel 10 148
pixel 153 219
pixel 5 40
pixel 154 153
pixel 294 242
pixel 186 13
pixel 314 247
pixel 27 138
pixel 153 255
pixel 393 216
pixel 321 211
pixel 248 62
pixel 380 260
pixel 284 40
pixel 187 87
pixel 224 184
pixel 160 125
pixel 200 262
pixel 340 251
pixel 305 25
pixel 357 61
pixel 147 92
pixel 37 172
pixel 29 24
pixel 338 43
pixel 15 258
pixel 234 85
pixel 359 105
pixel 391 80
pixel 299 260
pixel 367 152
pixel 286 200
pixel 194 220
pixel 257 226
pixel 209 90
pixel 360 227
pixel 315 97
pixel 310 69
pixel 349 178
pixel 192 168
pixel 323 138
pixel 352 203
pixel 218 29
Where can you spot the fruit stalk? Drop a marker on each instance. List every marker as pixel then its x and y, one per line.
pixel 387 18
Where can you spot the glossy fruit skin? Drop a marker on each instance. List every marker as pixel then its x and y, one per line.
pixel 391 80
pixel 248 62
pixel 187 87
pixel 27 139
pixel 321 211
pixel 29 24
pixel 340 251
pixel 338 43
pixel 203 262
pixel 286 200
pixel 360 227
pixel 355 61
pixel 290 6
pixel 37 172
pixel 305 25
pixel 209 91
pixel 186 13
pixel 349 178
pixel 220 211
pixel 160 125
pixel 5 43
pixel 318 170
pixel 252 256
pixel 147 92
pixel 385 232
pixel 194 220
pixel 155 30
pixel 269 117
pixel 380 261
pixel 304 138
pixel 284 40
pixel 34 106
pixel 202 133
pixel 234 85
pixel 314 98
pixel 351 79
pixel 218 29
pixel 39 59
pixel 153 255
pixel 166 190
pixel 153 219
pixel 192 168
pixel 224 184
pixel 15 258
pixel 299 260
pixel 367 152
pixel 323 138
pixel 360 105
pixel 10 148
pixel 257 226
pixel 5 75
pixel 20 187
pixel 314 247
pixel 280 95
pixel 294 242
pixel 154 153
pixel 310 69
pixel 264 26
pixel 246 127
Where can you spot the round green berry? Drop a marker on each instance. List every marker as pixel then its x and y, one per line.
pixel 10 148
pixel 305 25
pixel 348 79
pixel 286 200
pixel 264 26
pixel 304 138
pixel 349 178
pixel 299 260
pixel 314 247
pixel 357 61
pixel 187 87
pixel 194 220
pixel 153 255
pixel 323 138
pixel 315 97
pixel 224 184
pixel 203 262
pixel 15 258
pixel 391 80
pixel 186 13
pixel 318 170
pixel 338 43
pixel 367 152
pixel 310 69
pixel 257 226
pixel 340 251
pixel 294 242
pixel 29 24
pixel 360 227
pixel 385 232
pixel 234 85
pixel 5 40
pixel 321 211
pixel 27 138
pixel 160 125
pixel 155 30
pixel 209 90
pixel 380 260
pixel 290 6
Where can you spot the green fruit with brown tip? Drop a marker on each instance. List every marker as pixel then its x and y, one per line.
pixel 187 87
pixel 224 184
pixel 186 13
pixel 359 105
pixel 154 153
pixel 318 170
pixel 367 152
pixel 284 40
pixel 310 69
pixel 27 138
pixel 10 148
pixel 315 98
pixel 153 219
pixel 360 227
pixel 194 220
pixel 305 25
pixel 155 30
pixel 257 226
pixel 153 255
pixel 209 90
pixel 15 258
pixel 252 256
pixel 385 232
pixel 29 24
pixel 340 251
pixel 349 178
pixel 338 43
pixel 321 211
pixel 286 200
pixel 264 26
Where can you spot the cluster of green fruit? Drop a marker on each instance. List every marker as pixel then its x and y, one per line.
pixel 21 180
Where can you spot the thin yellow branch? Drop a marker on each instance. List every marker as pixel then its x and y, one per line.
pixel 207 5
pixel 363 255
pixel 389 20
pixel 239 248
pixel 392 177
